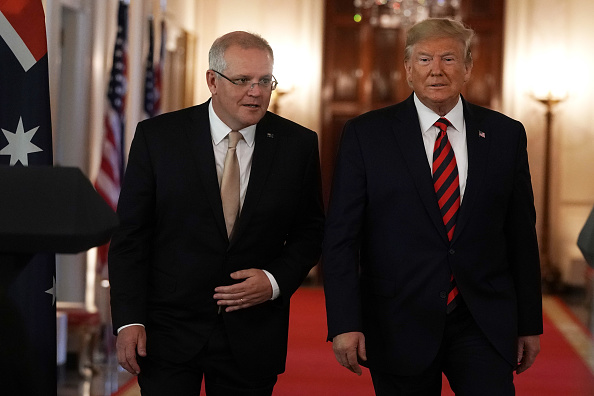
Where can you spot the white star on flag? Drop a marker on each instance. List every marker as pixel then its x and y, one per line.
pixel 52 291
pixel 19 144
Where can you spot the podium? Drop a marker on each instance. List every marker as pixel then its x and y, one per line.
pixel 43 211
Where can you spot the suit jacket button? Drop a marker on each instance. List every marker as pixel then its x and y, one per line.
pixel 443 294
pixel 451 251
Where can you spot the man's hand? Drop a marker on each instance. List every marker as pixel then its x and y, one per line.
pixel 348 348
pixel 130 340
pixel 255 289
pixel 528 348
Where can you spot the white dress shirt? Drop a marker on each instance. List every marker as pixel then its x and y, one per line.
pixel 456 136
pixel 245 150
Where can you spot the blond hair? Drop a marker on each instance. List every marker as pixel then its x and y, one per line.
pixel 437 28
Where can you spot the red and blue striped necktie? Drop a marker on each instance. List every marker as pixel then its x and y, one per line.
pixel 447 188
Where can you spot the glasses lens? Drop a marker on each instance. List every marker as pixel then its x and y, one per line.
pixel 243 82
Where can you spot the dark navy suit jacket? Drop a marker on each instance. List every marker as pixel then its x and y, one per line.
pixel 387 258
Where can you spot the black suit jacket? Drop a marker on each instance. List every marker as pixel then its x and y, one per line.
pixel 171 249
pixel 387 258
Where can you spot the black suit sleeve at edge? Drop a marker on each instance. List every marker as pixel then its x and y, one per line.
pixel 522 246
pixel 303 247
pixel 342 240
pixel 128 254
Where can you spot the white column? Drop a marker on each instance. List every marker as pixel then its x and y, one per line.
pixel 137 31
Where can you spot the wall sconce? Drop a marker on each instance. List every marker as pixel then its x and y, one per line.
pixel 289 65
pixel 277 94
pixel 550 272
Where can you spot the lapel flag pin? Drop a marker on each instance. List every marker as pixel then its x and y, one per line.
pixel 482 134
pixel 270 135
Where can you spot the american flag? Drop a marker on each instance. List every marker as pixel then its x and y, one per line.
pixel 159 72
pixel 153 85
pixel 27 285
pixel 111 172
pixel 149 76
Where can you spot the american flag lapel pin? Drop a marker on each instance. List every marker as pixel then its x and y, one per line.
pixel 270 135
pixel 482 134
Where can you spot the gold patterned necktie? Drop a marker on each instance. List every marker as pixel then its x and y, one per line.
pixel 230 183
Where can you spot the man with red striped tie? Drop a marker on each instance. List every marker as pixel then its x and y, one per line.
pixel 430 256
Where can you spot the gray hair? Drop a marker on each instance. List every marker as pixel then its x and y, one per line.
pixel 216 55
pixel 437 28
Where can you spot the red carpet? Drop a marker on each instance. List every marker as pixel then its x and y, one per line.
pixel 313 371
pixel 558 369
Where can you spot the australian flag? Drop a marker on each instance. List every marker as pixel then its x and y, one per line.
pixel 27 282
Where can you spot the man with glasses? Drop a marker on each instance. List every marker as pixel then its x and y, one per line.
pixel 221 219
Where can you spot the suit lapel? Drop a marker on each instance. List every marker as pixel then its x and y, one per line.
pixel 266 144
pixel 408 134
pixel 200 143
pixel 477 142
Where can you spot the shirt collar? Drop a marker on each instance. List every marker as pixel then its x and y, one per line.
pixel 219 130
pixel 427 117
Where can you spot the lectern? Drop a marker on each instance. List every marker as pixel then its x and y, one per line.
pixel 43 211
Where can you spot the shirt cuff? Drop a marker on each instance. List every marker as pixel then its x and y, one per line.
pixel 131 324
pixel 274 284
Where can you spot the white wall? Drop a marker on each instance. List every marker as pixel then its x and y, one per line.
pixel 548 46
pixel 68 31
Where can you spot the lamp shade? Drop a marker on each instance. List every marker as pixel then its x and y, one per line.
pixel 586 239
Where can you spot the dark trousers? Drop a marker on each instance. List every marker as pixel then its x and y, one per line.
pixel 215 363
pixel 469 361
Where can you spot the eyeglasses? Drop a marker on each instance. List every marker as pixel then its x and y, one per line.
pixel 244 82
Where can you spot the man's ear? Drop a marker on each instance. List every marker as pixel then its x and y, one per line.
pixel 407 69
pixel 468 72
pixel 211 81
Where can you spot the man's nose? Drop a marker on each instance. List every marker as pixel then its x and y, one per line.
pixel 436 67
pixel 255 89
